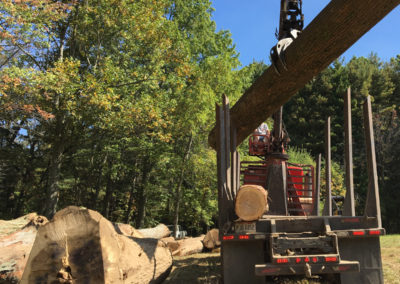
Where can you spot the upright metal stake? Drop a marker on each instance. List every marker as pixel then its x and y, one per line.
pixel 235 162
pixel 225 105
pixel 349 209
pixel 372 207
pixel 221 168
pixel 317 186
pixel 328 176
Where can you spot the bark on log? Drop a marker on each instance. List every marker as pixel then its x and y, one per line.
pixel 211 240
pixel 158 232
pixel 189 246
pixel 251 202
pixel 81 246
pixel 127 230
pixel 330 34
pixel 172 244
pixel 16 240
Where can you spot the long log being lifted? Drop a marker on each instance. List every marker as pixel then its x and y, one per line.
pixel 332 32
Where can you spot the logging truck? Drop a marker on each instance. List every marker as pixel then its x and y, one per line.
pixel 270 221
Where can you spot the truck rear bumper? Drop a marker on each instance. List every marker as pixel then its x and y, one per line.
pixel 307 268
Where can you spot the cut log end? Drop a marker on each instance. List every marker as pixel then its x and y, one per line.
pixel 251 202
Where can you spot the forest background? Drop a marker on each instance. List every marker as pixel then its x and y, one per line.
pixel 107 104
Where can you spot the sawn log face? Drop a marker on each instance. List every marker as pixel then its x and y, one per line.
pixel 81 246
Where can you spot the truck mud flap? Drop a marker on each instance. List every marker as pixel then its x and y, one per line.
pixel 307 269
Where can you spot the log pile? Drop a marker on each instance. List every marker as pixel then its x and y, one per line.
pixel 251 202
pixel 81 246
pixel 186 246
pixel 158 232
pixel 16 240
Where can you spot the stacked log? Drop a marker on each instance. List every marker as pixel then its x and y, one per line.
pixel 158 232
pixel 189 246
pixel 81 246
pixel 16 240
pixel 251 202
pixel 186 246
pixel 127 230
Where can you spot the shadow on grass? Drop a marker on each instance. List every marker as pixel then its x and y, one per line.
pixel 198 268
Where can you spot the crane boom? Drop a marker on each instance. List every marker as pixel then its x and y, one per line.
pixel 332 32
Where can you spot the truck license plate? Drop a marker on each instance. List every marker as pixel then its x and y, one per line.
pixel 248 227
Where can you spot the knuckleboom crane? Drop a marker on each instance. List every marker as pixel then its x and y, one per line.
pixel 288 236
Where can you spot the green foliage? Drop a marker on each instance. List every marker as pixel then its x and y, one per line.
pixel 107 104
pixel 300 156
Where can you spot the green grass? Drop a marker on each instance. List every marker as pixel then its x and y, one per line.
pixel 390 248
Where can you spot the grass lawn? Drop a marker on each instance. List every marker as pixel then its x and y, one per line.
pixel 390 248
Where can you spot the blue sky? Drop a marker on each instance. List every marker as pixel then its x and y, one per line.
pixel 252 24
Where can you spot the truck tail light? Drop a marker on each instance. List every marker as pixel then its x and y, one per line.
pixel 226 238
pixel 298 259
pixel 358 233
pixel 331 259
pixel 375 232
pixel 244 237
pixel 282 260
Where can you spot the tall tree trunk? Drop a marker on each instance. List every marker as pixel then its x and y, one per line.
pixel 107 197
pixel 53 191
pixel 130 201
pixel 142 196
pixel 98 183
pixel 178 192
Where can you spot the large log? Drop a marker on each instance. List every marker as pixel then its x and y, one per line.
pixel 16 240
pixel 189 246
pixel 158 232
pixel 330 34
pixel 81 246
pixel 127 230
pixel 251 202
pixel 211 240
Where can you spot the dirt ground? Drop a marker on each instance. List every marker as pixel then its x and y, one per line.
pixel 205 267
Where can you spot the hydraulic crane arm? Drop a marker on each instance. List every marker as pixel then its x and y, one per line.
pixel 332 32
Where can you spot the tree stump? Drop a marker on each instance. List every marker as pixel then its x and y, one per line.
pixel 251 202
pixel 211 240
pixel 81 246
